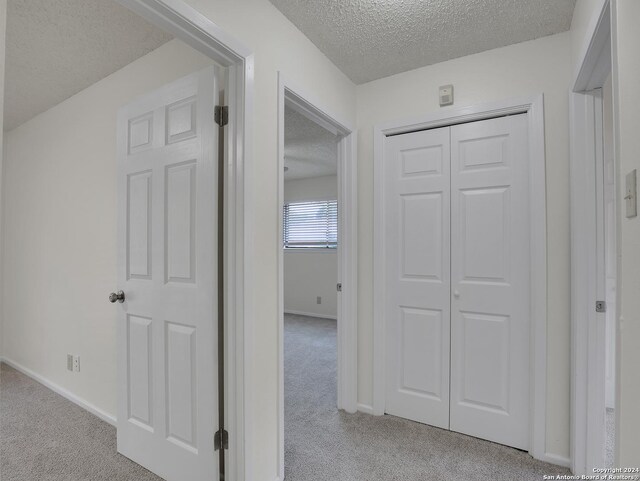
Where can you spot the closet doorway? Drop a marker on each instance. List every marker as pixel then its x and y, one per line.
pixel 457 304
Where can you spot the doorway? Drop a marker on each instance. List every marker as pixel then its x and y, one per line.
pixel 479 173
pixel 317 264
pixel 595 220
pixel 457 240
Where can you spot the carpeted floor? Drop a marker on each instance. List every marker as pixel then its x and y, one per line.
pixel 44 437
pixel 611 439
pixel 324 444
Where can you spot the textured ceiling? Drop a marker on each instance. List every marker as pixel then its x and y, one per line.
pixel 309 150
pixel 56 48
pixel 371 39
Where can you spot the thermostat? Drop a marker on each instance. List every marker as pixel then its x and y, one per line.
pixel 446 95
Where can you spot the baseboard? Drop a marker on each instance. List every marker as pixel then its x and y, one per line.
pixel 86 405
pixel 310 314
pixel 364 408
pixel 556 459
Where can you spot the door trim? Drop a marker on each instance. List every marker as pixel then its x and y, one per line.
pixel 586 159
pixel 196 30
pixel 534 108
pixel 347 340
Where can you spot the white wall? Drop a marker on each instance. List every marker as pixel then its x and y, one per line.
pixel 525 69
pixel 585 14
pixel 611 260
pixel 309 274
pixel 626 101
pixel 3 31
pixel 60 228
pixel 315 188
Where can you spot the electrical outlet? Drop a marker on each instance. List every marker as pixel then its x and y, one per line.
pixel 69 362
pixel 319 300
pixel 76 363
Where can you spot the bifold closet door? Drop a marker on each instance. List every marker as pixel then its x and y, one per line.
pixel 490 265
pixel 416 209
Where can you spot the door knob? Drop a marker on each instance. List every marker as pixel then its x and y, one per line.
pixel 116 296
pixel 456 293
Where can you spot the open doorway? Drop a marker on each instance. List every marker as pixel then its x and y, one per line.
pixel 595 215
pixel 317 271
pixel 310 246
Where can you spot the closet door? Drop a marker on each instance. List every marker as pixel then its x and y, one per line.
pixel 416 205
pixel 490 263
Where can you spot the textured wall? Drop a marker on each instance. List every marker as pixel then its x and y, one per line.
pixel 526 69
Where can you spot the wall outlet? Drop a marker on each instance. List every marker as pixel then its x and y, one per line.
pixel 69 362
pixel 76 363
pixel 318 300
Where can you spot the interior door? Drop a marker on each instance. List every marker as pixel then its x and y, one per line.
pixel 490 264
pixel 167 268
pixel 416 202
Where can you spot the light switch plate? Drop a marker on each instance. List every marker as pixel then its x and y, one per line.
pixel 631 195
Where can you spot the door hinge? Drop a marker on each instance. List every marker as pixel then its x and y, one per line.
pixel 221 115
pixel 339 287
pixel 601 306
pixel 221 440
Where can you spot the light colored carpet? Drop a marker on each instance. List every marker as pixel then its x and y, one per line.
pixel 324 444
pixel 611 439
pixel 44 437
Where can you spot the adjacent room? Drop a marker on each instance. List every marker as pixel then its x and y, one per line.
pixel 291 240
pixel 310 268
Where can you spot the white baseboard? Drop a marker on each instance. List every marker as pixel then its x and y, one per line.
pixel 364 408
pixel 556 459
pixel 96 411
pixel 310 314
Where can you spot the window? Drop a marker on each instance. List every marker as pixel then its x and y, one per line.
pixel 309 225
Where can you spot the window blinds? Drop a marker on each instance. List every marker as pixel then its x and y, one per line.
pixel 311 225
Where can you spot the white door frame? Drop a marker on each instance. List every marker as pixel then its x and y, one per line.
pixel 534 108
pixel 347 340
pixel 587 326
pixel 196 30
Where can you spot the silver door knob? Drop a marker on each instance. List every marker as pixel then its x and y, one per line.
pixel 116 296
pixel 456 293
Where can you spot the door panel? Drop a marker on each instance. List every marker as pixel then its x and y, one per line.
pixel 417 273
pixel 490 280
pixel 167 258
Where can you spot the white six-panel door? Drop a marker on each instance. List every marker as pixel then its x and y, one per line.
pixel 417 271
pixel 167 268
pixel 490 280
pixel 457 275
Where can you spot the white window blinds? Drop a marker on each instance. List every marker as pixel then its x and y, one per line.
pixel 311 225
